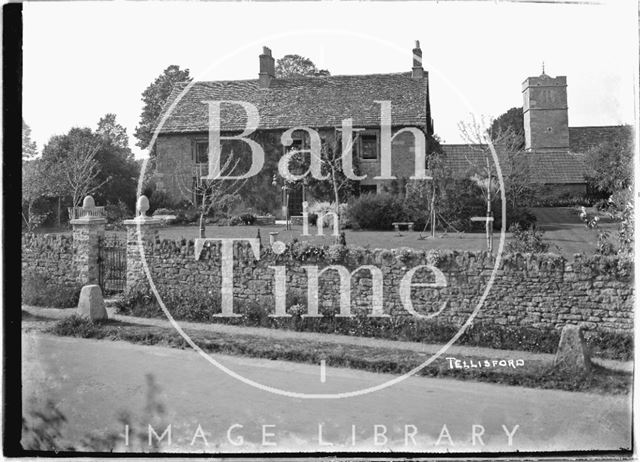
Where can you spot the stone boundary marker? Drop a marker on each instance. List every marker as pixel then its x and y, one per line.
pixel 573 353
pixel 91 304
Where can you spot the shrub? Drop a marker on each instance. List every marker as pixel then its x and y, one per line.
pixel 336 253
pixel 320 208
pixel 546 197
pixel 455 204
pixel 35 215
pixel 515 216
pixel 376 211
pixel 116 212
pixel 604 246
pixel 417 202
pixel 526 240
pixel 463 200
pixel 187 216
pixel 39 290
pixel 163 211
pixel 160 199
pixel 613 345
pixel 226 204
pixel 77 326
pixel 604 205
pixel 247 218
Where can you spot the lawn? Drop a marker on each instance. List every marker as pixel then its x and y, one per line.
pixel 562 227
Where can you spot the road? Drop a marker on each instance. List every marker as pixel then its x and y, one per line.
pixel 92 380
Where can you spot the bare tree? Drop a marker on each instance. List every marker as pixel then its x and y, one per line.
pixel 331 160
pixel 207 193
pixel 79 172
pixel 331 156
pixel 483 169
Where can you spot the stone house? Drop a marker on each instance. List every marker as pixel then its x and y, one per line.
pixel 320 103
pixel 554 151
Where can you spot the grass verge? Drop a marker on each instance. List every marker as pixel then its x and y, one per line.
pixel 199 306
pixel 384 360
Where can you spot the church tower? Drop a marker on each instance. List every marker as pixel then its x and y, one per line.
pixel 546 120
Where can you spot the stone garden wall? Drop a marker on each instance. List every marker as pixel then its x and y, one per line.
pixel 51 255
pixel 538 291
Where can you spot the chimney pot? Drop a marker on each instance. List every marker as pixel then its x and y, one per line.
pixel 267 68
pixel 417 70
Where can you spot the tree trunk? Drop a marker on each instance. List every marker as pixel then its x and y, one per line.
pixel 433 211
pixel 336 196
pixel 203 228
pixel 30 219
pixel 59 218
pixel 489 224
pixel 203 210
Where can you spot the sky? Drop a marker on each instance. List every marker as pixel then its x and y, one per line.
pixel 85 59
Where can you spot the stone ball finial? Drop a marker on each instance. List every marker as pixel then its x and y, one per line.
pixel 88 203
pixel 143 205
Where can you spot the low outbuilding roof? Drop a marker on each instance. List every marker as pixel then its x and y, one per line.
pixel 545 167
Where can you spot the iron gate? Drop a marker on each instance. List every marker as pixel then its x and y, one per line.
pixel 112 264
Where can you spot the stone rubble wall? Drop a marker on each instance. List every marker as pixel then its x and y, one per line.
pixel 51 255
pixel 528 290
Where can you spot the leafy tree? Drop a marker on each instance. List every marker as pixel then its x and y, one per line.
pixel 117 163
pixel 29 148
pixel 620 209
pixel 511 121
pixel 154 97
pixel 294 66
pixel 110 171
pixel 33 189
pixel 72 165
pixel 611 173
pixel 112 131
pixel 611 166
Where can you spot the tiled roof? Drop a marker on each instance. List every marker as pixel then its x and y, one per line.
pixel 547 167
pixel 581 139
pixel 313 102
pixel 463 160
pixel 556 167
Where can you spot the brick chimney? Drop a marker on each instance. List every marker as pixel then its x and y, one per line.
pixel 267 68
pixel 417 70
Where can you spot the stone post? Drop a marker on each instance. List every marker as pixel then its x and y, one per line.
pixel 142 233
pixel 87 231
